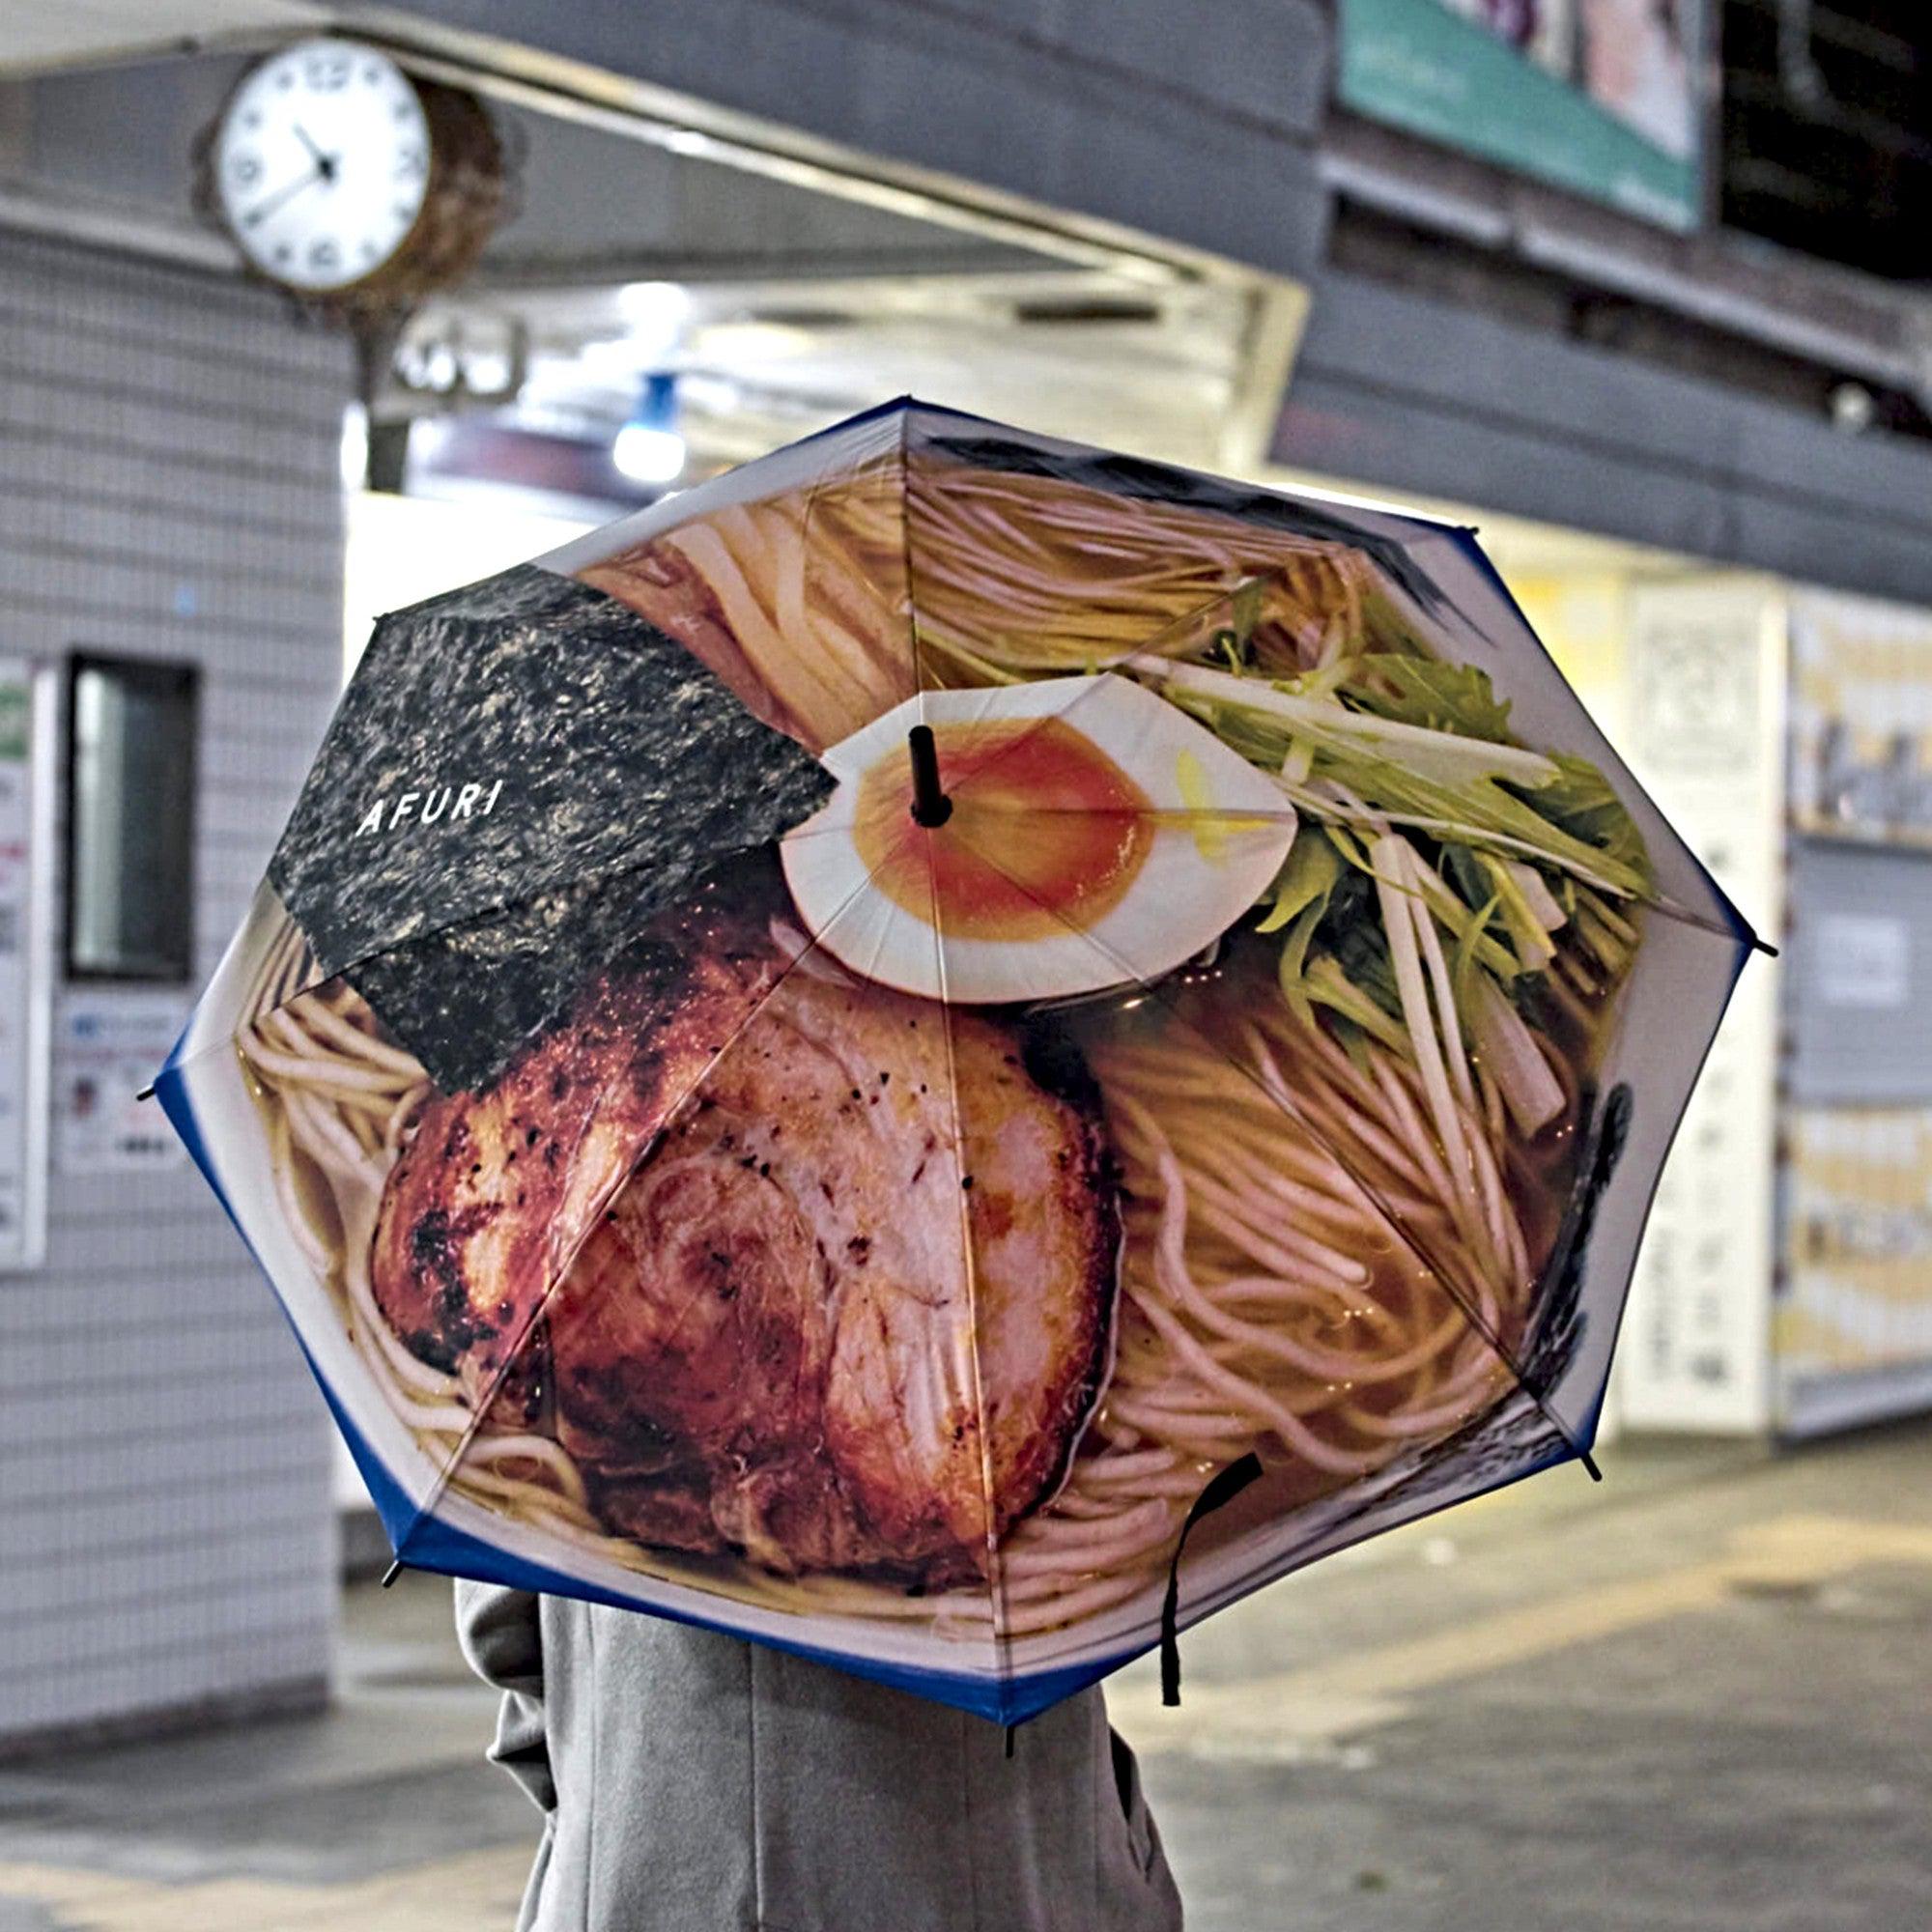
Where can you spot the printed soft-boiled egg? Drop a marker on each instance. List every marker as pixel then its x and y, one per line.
pixel 1095 835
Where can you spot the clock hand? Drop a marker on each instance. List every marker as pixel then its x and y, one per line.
pixel 325 164
pixel 262 210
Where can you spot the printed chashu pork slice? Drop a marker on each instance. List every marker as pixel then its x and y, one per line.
pixel 807 1287
pixel 783 1333
pixel 493 1193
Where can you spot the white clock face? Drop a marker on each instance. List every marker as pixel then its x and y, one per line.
pixel 322 163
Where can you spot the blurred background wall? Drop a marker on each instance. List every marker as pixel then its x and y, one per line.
pixel 1640 290
pixel 169 490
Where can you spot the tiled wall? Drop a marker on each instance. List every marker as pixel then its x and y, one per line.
pixel 168 484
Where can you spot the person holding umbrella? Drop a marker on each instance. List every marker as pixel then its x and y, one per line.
pixel 851 1061
pixel 691 1781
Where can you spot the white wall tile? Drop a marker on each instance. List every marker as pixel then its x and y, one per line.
pixel 168 485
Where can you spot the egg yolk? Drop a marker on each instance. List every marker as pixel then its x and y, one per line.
pixel 1070 829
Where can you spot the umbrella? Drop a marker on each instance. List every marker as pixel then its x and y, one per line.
pixel 949 1050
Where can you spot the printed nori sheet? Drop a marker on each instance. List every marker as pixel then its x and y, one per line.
pixel 627 771
pixel 464 997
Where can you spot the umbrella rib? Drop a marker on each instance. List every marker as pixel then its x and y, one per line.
pixel 914 650
pixel 561 1272
pixel 1408 1235
pixel 996 1578
pixel 1239 816
pixel 1657 902
pixel 1157 643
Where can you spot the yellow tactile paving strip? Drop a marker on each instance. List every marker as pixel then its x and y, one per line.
pixel 1374 1687
pixel 475 1892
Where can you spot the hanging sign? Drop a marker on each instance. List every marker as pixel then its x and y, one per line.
pixel 1598 96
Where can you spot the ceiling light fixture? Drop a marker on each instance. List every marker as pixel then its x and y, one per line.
pixel 654 312
pixel 647 455
pixel 648 448
pixel 731 342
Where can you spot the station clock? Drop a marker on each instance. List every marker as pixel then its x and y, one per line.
pixel 349 182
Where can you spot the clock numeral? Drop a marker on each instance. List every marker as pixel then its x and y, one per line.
pixel 410 163
pixel 322 253
pixel 326 73
pixel 246 170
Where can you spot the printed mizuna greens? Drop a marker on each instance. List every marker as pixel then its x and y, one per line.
pixel 1451 895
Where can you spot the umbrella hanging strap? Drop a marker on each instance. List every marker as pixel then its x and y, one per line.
pixel 1223 1487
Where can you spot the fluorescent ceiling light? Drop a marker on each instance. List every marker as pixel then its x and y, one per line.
pixel 654 314
pixel 648 455
pixel 753 341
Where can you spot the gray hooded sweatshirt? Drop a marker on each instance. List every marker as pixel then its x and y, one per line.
pixel 693 1783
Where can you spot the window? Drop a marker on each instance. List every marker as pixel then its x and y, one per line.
pixel 131 729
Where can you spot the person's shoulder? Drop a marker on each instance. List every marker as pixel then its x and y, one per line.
pixel 501 1630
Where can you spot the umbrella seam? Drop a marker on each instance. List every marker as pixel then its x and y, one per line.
pixel 996 1566
pixel 559 1274
pixel 1416 1244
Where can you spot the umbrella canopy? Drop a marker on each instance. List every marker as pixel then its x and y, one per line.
pixel 860 1057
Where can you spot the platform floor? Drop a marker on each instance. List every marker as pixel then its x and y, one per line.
pixel 1696 1697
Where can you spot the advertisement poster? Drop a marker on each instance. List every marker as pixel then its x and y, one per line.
pixel 25 829
pixel 109 1045
pixel 1599 97
pixel 1860 718
pixel 1855 1324
pixel 1705 663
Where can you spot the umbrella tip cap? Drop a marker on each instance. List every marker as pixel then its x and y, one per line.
pixel 930 806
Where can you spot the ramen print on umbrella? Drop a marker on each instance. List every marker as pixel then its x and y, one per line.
pixel 718 1181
